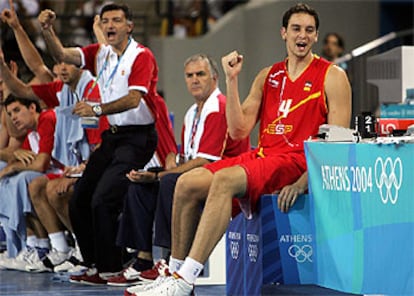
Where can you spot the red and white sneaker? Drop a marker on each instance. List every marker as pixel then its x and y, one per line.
pixel 128 277
pixel 77 279
pixel 173 285
pixel 92 277
pixel 150 275
pixel 153 278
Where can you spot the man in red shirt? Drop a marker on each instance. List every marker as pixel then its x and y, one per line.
pixel 73 143
pixel 32 160
pixel 204 139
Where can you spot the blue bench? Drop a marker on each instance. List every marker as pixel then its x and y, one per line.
pixel 272 247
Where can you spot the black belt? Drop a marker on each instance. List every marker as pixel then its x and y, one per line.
pixel 115 129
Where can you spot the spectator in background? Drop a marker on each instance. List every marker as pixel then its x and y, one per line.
pixel 333 48
pixel 83 20
pixel 230 4
pixel 195 17
pixel 27 10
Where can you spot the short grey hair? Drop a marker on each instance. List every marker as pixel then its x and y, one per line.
pixel 204 57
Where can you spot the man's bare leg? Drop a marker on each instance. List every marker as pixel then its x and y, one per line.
pixel 34 227
pixel 190 193
pixel 45 213
pixel 59 191
pixel 227 183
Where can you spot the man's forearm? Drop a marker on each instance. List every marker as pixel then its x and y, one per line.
pixel 17 167
pixel 15 85
pixel 189 165
pixel 6 155
pixel 29 53
pixel 58 52
pixel 131 100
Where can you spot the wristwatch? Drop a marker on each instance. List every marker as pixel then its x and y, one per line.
pixel 97 109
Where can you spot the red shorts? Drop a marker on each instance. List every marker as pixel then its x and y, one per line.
pixel 264 175
pixel 53 176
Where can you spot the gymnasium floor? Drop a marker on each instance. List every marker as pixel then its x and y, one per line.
pixel 30 284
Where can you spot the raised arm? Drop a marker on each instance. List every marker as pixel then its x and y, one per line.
pixel 4 135
pixel 338 93
pixel 60 54
pixel 97 30
pixel 29 53
pixel 241 118
pixel 15 85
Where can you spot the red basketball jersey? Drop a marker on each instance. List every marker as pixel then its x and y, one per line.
pixel 292 111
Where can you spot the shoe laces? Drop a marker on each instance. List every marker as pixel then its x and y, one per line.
pixel 77 269
pixel 91 271
pixel 57 257
pixel 171 285
pixel 32 256
pixel 130 273
pixel 163 268
pixel 26 253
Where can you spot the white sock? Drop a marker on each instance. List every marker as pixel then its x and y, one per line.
pixel 43 243
pixel 31 241
pixel 174 264
pixel 190 270
pixel 58 241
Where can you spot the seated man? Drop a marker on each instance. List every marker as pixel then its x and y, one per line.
pixel 14 178
pixel 204 139
pixel 11 138
pixel 72 143
pixel 292 99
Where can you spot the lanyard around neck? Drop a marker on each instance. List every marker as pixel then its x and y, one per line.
pixel 111 76
pixel 196 120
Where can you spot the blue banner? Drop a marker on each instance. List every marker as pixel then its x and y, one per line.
pixel 295 238
pixel 244 256
pixel 362 205
pixel 271 248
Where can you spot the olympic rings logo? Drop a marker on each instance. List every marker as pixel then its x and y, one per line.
pixel 234 249
pixel 253 251
pixel 301 254
pixel 388 177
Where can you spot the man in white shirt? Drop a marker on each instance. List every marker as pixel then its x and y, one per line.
pixel 127 74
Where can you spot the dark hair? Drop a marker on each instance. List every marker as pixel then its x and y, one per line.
pixel 114 6
pixel 201 56
pixel 26 102
pixel 300 8
pixel 341 42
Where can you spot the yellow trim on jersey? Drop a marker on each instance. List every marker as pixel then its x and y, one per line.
pixel 304 101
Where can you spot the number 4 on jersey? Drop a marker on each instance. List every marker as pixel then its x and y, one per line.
pixel 284 107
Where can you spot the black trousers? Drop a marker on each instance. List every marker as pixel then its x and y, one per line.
pixel 99 195
pixel 143 204
pixel 163 213
pixel 137 218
